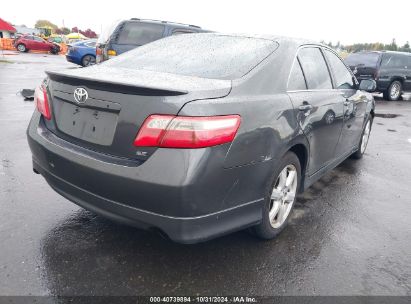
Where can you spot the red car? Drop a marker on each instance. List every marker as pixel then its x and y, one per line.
pixel 34 43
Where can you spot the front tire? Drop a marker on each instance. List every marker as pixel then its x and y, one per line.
pixel 21 48
pixel 280 197
pixel 364 140
pixel 394 91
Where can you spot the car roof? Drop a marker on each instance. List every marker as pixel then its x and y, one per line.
pixel 171 23
pixel 83 41
pixel 280 39
pixel 383 52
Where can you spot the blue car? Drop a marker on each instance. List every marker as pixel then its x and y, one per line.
pixel 82 53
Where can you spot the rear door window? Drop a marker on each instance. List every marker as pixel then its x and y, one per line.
pixel 182 31
pixel 90 44
pixel 296 81
pixel 314 68
pixel 394 61
pixel 342 77
pixel 138 33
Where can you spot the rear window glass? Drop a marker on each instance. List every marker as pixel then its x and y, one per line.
pixel 315 69
pixel 296 81
pixel 394 61
pixel 90 44
pixel 363 59
pixel 199 55
pixel 138 33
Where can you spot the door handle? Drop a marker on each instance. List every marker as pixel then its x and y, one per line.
pixel 305 107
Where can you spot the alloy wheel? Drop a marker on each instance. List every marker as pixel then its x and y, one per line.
pixel 89 60
pixel 283 196
pixel 365 136
pixel 395 91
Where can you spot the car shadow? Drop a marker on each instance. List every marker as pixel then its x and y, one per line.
pixel 85 254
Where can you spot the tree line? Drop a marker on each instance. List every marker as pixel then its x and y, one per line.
pixel 376 46
pixel 65 30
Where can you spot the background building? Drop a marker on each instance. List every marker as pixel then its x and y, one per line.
pixel 6 29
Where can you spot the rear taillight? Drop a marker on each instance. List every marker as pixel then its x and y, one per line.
pixel 376 74
pixel 169 131
pixel 42 102
pixel 111 53
pixel 99 51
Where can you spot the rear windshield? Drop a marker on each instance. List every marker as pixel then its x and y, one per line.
pixel 363 59
pixel 199 55
pixel 138 33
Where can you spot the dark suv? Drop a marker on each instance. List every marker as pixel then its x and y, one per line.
pixel 391 71
pixel 129 34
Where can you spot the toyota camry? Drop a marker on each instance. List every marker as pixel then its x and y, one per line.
pixel 200 135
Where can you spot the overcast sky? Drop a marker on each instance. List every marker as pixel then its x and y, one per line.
pixel 347 21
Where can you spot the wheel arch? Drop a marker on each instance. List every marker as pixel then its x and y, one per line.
pixel 21 43
pixel 301 149
pixel 397 78
pixel 88 54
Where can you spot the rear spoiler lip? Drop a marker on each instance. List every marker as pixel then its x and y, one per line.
pixel 112 86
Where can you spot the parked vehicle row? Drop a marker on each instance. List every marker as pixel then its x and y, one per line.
pixel 391 71
pixel 200 135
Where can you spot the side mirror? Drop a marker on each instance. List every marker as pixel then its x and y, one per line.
pixel 368 85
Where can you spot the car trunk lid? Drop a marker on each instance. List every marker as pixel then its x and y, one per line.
pixel 114 102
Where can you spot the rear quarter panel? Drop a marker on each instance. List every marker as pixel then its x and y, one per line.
pixel 267 123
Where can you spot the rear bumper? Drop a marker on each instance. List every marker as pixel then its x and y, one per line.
pixel 184 206
pixel 72 59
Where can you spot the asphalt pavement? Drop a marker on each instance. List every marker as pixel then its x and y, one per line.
pixel 350 233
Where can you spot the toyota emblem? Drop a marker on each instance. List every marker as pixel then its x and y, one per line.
pixel 80 95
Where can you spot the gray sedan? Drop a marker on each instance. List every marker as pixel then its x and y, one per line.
pixel 196 136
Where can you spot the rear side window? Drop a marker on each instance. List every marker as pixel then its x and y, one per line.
pixel 199 55
pixel 343 78
pixel 394 61
pixel 138 33
pixel 182 31
pixel 363 59
pixel 315 69
pixel 296 81
pixel 90 44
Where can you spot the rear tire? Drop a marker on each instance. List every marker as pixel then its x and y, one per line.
pixel 394 91
pixel 21 48
pixel 55 50
pixel 280 197
pixel 88 60
pixel 365 135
